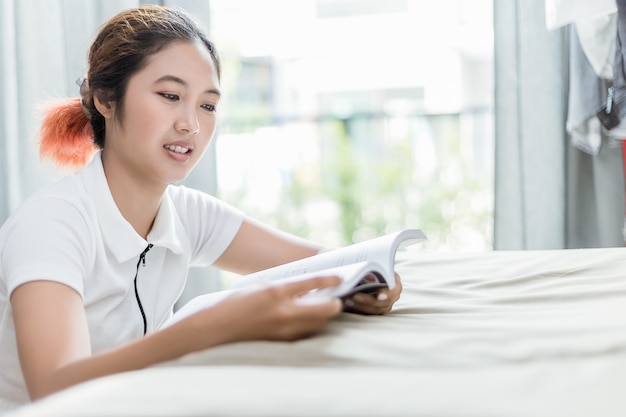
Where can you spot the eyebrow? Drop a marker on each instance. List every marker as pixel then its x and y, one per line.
pixel 184 83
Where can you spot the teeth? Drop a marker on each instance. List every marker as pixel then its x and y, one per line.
pixel 176 148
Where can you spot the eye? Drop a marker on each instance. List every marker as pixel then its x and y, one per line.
pixel 209 107
pixel 168 96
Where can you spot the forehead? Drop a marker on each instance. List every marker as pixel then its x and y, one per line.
pixel 187 60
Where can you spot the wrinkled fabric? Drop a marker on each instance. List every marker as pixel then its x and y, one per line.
pixel 497 334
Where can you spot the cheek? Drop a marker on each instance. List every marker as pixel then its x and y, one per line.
pixel 146 120
pixel 207 127
pixel 149 114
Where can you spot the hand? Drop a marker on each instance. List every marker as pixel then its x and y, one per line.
pixel 274 312
pixel 378 303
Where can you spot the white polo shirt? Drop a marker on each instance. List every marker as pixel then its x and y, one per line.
pixel 72 232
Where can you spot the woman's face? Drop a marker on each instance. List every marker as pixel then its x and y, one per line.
pixel 168 116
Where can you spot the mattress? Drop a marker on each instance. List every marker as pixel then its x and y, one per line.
pixel 503 333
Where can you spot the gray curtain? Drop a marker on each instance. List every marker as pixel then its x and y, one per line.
pixel 548 193
pixel 43 50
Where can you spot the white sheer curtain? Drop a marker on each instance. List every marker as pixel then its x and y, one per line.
pixel 43 47
pixel 43 50
pixel 548 194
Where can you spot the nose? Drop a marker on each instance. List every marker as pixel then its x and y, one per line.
pixel 187 122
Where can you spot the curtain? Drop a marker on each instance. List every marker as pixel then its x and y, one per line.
pixel 43 50
pixel 548 193
pixel 34 70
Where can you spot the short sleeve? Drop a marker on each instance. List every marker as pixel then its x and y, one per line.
pixel 46 239
pixel 210 224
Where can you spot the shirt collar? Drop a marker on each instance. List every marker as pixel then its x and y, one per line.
pixel 166 227
pixel 119 236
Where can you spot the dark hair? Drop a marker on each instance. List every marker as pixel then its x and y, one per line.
pixel 121 49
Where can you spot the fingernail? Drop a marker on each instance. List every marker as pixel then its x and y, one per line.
pixel 348 302
pixel 382 296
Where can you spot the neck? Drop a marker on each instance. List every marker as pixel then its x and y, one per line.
pixel 137 199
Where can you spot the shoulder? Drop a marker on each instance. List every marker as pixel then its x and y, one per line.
pixel 60 210
pixel 64 199
pixel 50 236
pixel 209 223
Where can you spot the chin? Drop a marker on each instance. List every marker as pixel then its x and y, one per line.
pixel 176 180
pixel 173 177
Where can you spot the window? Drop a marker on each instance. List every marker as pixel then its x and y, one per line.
pixel 342 120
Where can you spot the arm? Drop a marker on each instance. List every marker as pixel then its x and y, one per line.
pixel 257 247
pixel 53 337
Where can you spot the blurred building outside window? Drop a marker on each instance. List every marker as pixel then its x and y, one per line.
pixel 342 120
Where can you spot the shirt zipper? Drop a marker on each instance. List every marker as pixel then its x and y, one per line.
pixel 142 260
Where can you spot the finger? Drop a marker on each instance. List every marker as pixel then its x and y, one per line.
pixel 309 284
pixel 364 308
pixel 320 307
pixel 379 303
pixel 380 299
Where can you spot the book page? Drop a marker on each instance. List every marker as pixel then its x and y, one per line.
pixel 380 250
pixel 350 274
pixel 363 276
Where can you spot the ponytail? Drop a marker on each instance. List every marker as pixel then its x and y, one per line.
pixel 66 135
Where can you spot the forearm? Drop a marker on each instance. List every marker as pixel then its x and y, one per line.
pixel 55 353
pixel 184 337
pixel 257 247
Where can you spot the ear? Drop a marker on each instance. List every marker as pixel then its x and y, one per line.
pixel 106 108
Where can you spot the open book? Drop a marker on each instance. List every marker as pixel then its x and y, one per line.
pixel 363 267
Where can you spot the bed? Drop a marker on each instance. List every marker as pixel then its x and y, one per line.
pixel 503 333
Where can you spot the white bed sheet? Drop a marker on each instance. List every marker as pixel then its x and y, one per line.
pixel 519 333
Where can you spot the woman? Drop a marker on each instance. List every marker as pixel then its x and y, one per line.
pixel 91 266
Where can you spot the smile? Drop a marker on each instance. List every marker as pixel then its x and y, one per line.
pixel 177 149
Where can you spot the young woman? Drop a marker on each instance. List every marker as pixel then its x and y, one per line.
pixel 91 266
